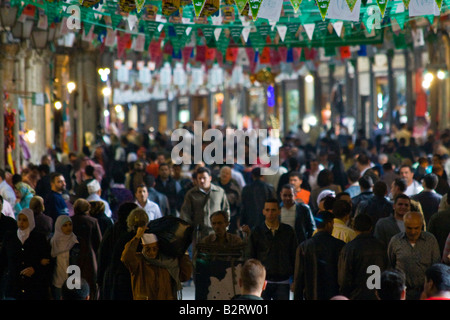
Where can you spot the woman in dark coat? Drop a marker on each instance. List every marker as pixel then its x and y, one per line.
pixel 26 256
pixel 98 212
pixel 117 278
pixel 87 230
pixel 105 275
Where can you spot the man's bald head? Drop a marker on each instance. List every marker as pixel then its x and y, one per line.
pixel 413 225
pixel 414 215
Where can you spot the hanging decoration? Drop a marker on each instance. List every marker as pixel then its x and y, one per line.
pixel 198 6
pixel 323 7
pixel 210 31
pixel 382 5
pixel 296 4
pixel 254 7
pixel 10 120
pixel 241 4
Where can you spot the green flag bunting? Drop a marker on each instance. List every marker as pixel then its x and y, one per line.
pixel 296 4
pixel 240 4
pixel 382 5
pixel 323 7
pixel 254 7
pixel 198 6
pixel 351 4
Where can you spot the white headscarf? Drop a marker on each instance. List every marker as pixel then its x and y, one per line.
pixel 61 242
pixel 24 234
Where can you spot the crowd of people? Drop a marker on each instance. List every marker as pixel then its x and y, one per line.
pixel 338 211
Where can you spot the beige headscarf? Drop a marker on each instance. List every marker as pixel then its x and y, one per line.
pixel 61 242
pixel 24 234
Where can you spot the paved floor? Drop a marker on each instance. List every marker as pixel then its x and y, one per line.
pixel 188 291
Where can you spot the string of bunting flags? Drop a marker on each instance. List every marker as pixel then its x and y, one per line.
pixel 183 29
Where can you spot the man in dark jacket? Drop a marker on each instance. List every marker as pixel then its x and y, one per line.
pixel 274 243
pixel 366 185
pixel 316 262
pixel 429 199
pixel 158 197
pixel 296 214
pixel 254 196
pixel 377 206
pixel 6 224
pixel 439 226
pixel 168 186
pixel 356 257
pixel 55 205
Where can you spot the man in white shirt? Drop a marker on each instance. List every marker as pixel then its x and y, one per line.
pixel 152 208
pixel 413 186
pixel 94 190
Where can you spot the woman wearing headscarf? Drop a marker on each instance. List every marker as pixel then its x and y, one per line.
pixel 106 264
pixel 26 255
pixel 98 212
pixel 88 233
pixel 118 277
pixel 24 194
pixel 64 250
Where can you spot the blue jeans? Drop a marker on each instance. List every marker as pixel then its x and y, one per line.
pixel 276 291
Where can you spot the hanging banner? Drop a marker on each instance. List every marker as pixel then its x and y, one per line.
pixel 210 54
pixel 323 7
pixel 422 8
pixel 309 28
pixel 110 39
pixel 292 29
pixel 246 33
pixel 180 30
pixel 208 33
pixel 154 49
pixel 251 58
pixel 345 52
pixel 282 31
pixel 270 10
pixel 296 53
pixel 296 4
pixel 132 21
pixel 254 7
pixel 263 31
pixel 382 5
pixel 275 56
pixel 186 53
pixel 343 13
pixel 198 6
pixel 350 3
pixel 264 57
pixel 200 55
pixel 283 53
pixel 139 43
pixel 152 27
pixel 122 43
pixel 231 54
pixel 139 5
pixel 235 33
pixel 240 4
pixel 337 26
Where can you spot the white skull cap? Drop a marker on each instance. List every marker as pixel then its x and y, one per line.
pixel 149 238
